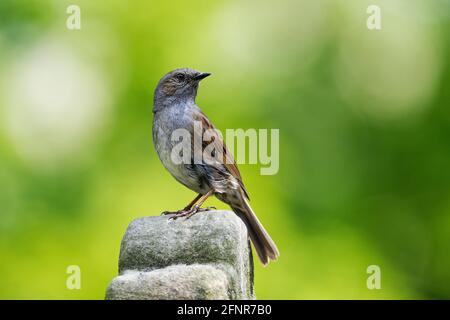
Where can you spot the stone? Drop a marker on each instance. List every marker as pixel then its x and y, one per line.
pixel 186 282
pixel 161 258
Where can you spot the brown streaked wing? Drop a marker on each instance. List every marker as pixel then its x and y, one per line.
pixel 228 160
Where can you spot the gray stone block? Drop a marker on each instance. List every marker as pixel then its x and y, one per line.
pixel 195 254
pixel 192 282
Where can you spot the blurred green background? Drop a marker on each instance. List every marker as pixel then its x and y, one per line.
pixel 364 119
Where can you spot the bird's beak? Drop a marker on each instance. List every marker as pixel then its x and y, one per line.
pixel 201 76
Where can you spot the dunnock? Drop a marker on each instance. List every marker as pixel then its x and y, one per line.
pixel 174 108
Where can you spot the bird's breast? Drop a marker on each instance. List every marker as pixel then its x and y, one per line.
pixel 165 123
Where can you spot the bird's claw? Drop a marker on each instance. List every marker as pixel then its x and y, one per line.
pixel 183 213
pixel 165 213
pixel 206 209
pixel 187 213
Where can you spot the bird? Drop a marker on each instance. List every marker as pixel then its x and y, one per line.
pixel 174 108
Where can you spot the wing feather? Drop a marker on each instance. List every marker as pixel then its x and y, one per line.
pixel 227 158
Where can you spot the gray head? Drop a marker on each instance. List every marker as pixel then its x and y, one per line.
pixel 179 85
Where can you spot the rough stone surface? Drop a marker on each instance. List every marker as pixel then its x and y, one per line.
pixel 185 259
pixel 194 282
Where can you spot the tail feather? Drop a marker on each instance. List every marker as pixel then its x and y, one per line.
pixel 263 243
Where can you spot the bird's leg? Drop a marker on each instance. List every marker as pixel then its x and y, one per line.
pixel 188 207
pixel 189 213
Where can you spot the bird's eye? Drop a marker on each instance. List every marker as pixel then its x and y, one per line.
pixel 180 77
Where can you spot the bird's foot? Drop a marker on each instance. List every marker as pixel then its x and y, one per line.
pixel 166 213
pixel 187 213
pixel 183 213
pixel 207 208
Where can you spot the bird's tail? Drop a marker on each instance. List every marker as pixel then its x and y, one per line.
pixel 264 245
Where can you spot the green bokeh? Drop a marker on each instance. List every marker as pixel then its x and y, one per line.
pixel 364 124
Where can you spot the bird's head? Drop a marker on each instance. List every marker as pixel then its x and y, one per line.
pixel 179 84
